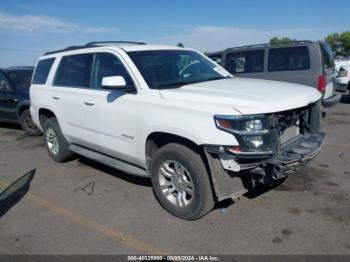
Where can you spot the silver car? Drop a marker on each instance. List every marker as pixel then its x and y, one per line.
pixel 301 62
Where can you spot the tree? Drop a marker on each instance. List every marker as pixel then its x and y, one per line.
pixel 334 41
pixel 340 43
pixel 345 40
pixel 283 40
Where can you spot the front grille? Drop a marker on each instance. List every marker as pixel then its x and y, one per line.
pixel 291 123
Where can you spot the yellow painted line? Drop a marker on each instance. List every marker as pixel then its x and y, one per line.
pixel 338 145
pixel 112 233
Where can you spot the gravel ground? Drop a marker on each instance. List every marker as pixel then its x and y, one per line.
pixel 82 207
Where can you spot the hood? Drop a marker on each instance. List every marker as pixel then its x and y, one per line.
pixel 248 96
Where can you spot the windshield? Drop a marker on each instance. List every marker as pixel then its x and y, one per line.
pixel 20 78
pixel 174 68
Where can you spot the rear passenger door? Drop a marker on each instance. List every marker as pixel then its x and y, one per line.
pixel 69 94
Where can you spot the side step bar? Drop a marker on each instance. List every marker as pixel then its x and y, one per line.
pixel 109 161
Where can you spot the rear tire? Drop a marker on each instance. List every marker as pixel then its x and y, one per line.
pixel 27 124
pixel 184 188
pixel 56 145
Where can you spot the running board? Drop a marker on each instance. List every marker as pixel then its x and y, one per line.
pixel 109 161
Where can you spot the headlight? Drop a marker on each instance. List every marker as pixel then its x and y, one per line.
pixel 251 132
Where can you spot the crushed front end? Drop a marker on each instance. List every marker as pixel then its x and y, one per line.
pixel 270 147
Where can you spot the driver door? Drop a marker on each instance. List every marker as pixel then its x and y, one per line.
pixel 111 115
pixel 8 101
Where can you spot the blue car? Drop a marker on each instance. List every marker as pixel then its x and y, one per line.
pixel 14 98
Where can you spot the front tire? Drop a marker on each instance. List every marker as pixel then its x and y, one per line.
pixel 27 124
pixel 181 182
pixel 56 144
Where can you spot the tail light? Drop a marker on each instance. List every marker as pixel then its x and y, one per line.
pixel 342 72
pixel 321 83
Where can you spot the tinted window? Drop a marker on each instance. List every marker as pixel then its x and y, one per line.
pixel 74 71
pixel 289 59
pixel 20 78
pixel 107 65
pixel 245 62
pixel 42 71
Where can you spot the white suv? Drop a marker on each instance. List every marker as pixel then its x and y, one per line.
pixel 171 114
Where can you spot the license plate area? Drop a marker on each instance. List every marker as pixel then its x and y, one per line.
pixel 301 148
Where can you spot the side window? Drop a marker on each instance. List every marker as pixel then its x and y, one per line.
pixel 74 71
pixel 106 64
pixel 245 62
pixel 289 59
pixel 42 71
pixel 4 84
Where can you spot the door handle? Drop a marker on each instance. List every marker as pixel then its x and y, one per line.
pixel 56 97
pixel 89 102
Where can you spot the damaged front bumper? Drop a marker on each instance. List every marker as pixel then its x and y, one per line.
pixel 233 175
pixel 297 152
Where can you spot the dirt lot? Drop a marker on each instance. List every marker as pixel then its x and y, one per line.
pixel 82 207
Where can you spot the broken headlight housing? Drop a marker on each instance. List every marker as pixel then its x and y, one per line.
pixel 252 133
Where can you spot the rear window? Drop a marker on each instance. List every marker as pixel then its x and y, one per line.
pixel 42 71
pixel 327 55
pixel 74 71
pixel 289 59
pixel 245 62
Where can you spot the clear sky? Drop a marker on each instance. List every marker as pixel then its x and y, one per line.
pixel 29 28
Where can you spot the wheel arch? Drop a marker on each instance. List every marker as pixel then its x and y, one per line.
pixel 156 140
pixel 21 106
pixel 44 114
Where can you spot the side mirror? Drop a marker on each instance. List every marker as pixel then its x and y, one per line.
pixel 114 82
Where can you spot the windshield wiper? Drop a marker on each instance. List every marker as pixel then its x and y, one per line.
pixel 182 83
pixel 217 78
pixel 175 85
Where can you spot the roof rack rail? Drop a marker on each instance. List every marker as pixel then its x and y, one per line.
pixel 69 48
pixel 268 44
pixel 114 42
pixel 20 67
pixel 91 45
